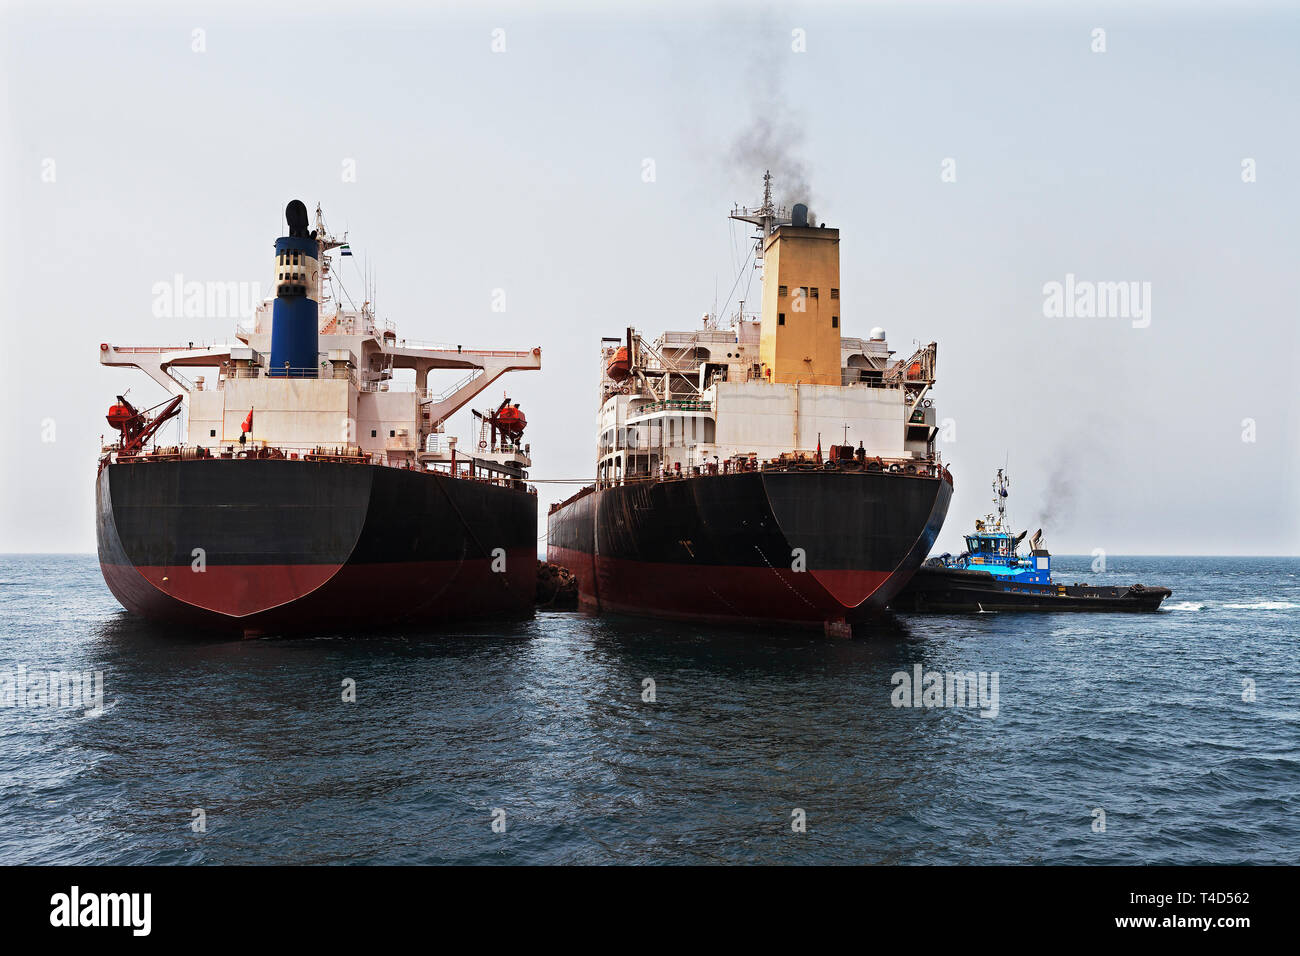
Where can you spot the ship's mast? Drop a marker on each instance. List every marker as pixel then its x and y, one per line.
pixel 766 217
pixel 1000 497
pixel 327 242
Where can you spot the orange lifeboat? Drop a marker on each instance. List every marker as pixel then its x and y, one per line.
pixel 510 421
pixel 119 414
pixel 914 370
pixel 619 367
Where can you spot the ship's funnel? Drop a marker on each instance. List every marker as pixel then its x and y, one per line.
pixel 799 337
pixel 296 215
pixel 296 311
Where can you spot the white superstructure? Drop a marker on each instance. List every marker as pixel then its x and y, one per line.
pixel 771 388
pixel 699 399
pixel 354 405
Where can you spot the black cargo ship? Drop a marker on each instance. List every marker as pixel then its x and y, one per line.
pixel 713 499
pixel 283 546
pixel 311 491
pixel 717 547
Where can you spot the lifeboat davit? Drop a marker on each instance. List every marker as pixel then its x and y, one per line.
pixel 619 367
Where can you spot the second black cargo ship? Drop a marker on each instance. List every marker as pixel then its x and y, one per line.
pixel 714 499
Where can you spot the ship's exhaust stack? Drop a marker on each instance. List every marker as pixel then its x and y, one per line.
pixel 800 329
pixel 295 315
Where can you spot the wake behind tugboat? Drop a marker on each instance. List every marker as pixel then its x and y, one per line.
pixel 991 575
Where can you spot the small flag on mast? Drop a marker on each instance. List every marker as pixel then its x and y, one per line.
pixel 345 250
pixel 248 423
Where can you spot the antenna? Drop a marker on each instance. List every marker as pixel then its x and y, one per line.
pixel 766 217
pixel 1000 484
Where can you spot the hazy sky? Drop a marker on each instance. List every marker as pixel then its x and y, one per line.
pixel 522 170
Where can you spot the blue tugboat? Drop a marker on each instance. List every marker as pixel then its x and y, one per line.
pixel 992 575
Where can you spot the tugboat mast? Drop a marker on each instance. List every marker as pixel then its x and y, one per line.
pixel 1000 498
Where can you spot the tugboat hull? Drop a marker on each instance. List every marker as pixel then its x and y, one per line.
pixel 944 589
pixel 280 546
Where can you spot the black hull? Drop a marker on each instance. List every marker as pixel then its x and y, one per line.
pixel 804 548
pixel 298 546
pixel 958 589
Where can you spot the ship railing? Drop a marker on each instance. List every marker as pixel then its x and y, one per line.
pixel 148 456
pixel 430 395
pixel 325 372
pixel 704 336
pixel 347 459
pixel 233 450
pixel 421 344
pixel 388 385
pixel 499 353
pixel 180 379
pixel 874 377
pixel 155 349
pixel 461 350
pixel 895 467
pixel 313 453
pixel 674 406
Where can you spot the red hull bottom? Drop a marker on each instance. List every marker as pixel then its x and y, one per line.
pixel 267 599
pixel 729 595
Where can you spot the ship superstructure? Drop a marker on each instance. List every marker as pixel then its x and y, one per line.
pixel 847 490
pixel 309 472
pixel 318 375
